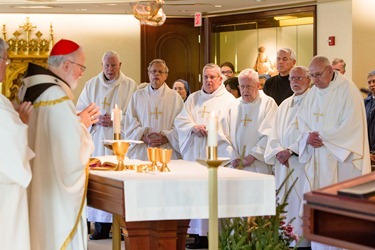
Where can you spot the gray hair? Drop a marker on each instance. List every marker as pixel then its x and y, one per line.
pixel 110 54
pixel 214 67
pixel 56 61
pixel 290 51
pixel 337 61
pixel 248 73
pixel 303 68
pixel 3 45
pixel 158 61
pixel 372 73
pixel 321 60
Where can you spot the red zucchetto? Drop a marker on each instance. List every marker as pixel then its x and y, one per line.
pixel 64 47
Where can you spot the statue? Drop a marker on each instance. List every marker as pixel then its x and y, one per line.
pixel 263 65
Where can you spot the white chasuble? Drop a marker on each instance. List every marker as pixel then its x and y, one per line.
pixel 196 111
pixel 247 125
pixel 337 113
pixel 15 176
pixel 106 95
pixel 152 111
pixel 62 146
pixel 284 135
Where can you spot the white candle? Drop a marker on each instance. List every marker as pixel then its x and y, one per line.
pixel 116 117
pixel 212 130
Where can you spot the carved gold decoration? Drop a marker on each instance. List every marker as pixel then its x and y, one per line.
pixel 26 45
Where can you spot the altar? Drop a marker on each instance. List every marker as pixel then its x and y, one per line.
pixel 156 207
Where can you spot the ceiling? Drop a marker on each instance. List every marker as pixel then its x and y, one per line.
pixel 172 8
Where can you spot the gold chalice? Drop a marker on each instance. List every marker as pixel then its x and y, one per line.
pixel 120 148
pixel 165 156
pixel 153 157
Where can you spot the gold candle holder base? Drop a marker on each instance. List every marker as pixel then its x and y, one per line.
pixel 116 136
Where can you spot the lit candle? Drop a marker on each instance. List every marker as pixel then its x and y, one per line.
pixel 212 130
pixel 116 117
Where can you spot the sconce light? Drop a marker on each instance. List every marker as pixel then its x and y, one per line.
pixel 149 12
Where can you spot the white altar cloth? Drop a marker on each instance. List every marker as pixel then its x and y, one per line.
pixel 183 192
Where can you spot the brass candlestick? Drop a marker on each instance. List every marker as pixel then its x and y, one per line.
pixel 165 156
pixel 212 162
pixel 116 136
pixel 120 148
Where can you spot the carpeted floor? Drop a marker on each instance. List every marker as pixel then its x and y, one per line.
pixel 107 244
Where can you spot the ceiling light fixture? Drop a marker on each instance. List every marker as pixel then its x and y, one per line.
pixel 149 12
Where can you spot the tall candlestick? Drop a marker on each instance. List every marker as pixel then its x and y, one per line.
pixel 116 117
pixel 212 130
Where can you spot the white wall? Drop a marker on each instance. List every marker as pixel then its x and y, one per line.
pixel 95 33
pixel 363 40
pixel 335 19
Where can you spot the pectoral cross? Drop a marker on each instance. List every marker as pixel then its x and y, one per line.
pixel 203 111
pixel 156 113
pixel 245 120
pixel 317 115
pixel 105 103
pixel 296 123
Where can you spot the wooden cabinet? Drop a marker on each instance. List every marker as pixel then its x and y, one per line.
pixel 338 220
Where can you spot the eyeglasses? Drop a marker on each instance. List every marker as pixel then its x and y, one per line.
pixel 6 60
pixel 297 78
pixel 83 68
pixel 318 75
pixel 154 72
pixel 227 72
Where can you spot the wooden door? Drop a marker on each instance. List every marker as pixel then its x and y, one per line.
pixel 178 43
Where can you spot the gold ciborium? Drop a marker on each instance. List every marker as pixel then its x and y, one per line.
pixel 165 156
pixel 153 156
pixel 120 148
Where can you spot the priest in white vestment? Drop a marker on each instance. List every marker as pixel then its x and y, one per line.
pixel 282 151
pixel 192 123
pixel 248 124
pixel 151 114
pixel 15 173
pixel 108 88
pixel 334 142
pixel 62 145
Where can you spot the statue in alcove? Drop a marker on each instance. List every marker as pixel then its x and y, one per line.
pixel 263 65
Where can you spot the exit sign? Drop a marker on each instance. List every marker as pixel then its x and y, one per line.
pixel 198 19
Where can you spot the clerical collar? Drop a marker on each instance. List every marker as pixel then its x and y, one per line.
pixel 110 82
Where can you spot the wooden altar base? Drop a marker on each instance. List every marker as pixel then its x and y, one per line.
pixel 338 220
pixel 108 195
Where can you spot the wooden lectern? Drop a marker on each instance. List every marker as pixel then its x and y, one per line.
pixel 338 220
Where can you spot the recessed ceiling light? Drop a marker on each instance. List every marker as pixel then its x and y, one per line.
pixel 218 6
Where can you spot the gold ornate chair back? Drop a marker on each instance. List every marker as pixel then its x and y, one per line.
pixel 24 46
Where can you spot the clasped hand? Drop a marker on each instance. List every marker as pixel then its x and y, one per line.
pixel 314 140
pixel 247 161
pixel 283 157
pixel 200 130
pixel 154 139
